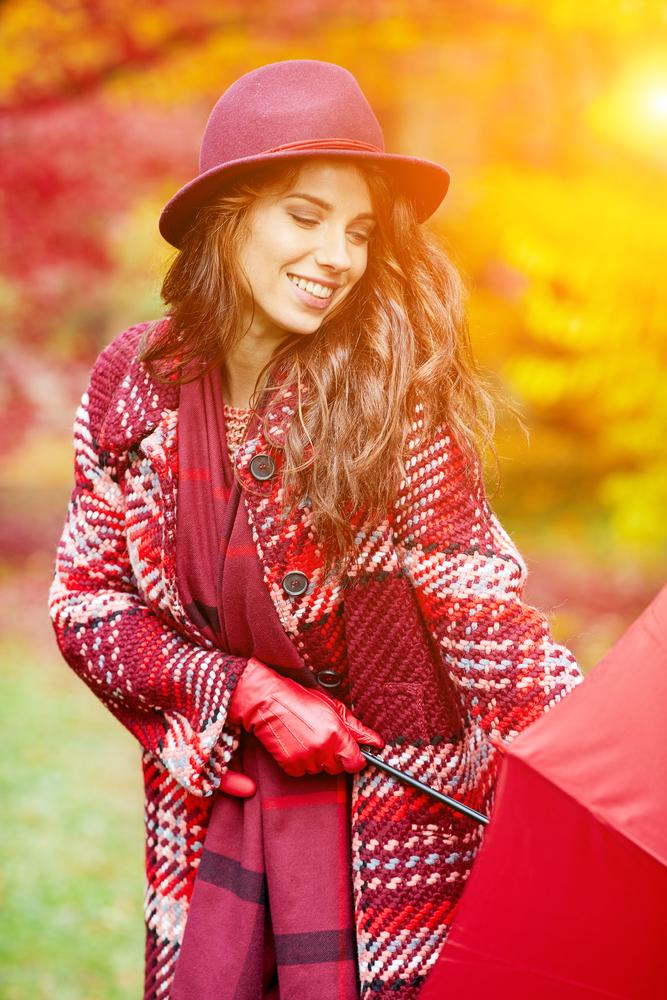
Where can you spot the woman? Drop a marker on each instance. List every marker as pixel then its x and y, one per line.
pixel 278 548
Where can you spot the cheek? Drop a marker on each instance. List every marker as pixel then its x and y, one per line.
pixel 262 253
pixel 279 243
pixel 360 264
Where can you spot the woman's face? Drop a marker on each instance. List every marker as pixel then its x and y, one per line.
pixel 307 249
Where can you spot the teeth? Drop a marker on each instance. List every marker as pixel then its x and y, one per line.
pixel 321 291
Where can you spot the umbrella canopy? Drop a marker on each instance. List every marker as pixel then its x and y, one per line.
pixel 568 895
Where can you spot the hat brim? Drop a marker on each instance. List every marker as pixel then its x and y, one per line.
pixel 425 182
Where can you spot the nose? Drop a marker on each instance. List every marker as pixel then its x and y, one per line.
pixel 333 250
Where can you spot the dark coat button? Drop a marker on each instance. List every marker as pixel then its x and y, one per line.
pixel 295 583
pixel 329 678
pixel 262 467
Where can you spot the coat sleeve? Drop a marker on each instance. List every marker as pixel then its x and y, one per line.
pixel 169 692
pixel 468 578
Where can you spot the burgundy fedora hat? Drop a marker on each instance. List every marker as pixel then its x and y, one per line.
pixel 287 110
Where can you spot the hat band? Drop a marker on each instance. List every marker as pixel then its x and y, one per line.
pixel 327 144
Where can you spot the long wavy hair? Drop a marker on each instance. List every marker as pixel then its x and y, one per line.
pixel 399 338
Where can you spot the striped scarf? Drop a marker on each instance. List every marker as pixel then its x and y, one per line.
pixel 271 913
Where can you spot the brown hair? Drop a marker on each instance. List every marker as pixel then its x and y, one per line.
pixel 400 337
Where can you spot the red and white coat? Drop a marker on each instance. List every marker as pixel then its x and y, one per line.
pixel 439 651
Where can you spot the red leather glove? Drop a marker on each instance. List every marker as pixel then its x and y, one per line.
pixel 307 731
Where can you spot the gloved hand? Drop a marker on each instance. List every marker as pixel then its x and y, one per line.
pixel 307 731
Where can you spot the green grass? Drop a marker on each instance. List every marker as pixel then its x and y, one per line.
pixel 71 837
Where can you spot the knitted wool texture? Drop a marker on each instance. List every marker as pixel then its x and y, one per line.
pixel 438 652
pixel 236 421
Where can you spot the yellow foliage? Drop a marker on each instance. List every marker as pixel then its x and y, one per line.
pixel 613 17
pixel 589 350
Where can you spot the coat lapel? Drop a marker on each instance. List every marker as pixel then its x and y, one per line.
pixel 287 545
pixel 142 424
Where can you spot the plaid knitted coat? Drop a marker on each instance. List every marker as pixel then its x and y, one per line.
pixel 439 652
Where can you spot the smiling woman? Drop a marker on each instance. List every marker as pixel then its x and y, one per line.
pixel 320 264
pixel 279 548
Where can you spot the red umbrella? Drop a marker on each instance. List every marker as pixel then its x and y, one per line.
pixel 567 898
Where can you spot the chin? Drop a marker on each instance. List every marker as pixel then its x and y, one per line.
pixel 305 326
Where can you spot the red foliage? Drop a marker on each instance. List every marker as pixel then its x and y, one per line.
pixel 67 175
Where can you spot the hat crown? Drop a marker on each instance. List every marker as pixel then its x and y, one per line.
pixel 297 100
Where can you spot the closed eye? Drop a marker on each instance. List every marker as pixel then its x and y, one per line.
pixel 307 221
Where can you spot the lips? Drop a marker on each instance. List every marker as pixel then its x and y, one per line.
pixel 312 301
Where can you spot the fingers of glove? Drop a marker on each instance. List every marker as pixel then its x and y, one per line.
pixel 240 785
pixel 327 713
pixel 333 747
pixel 327 759
pixel 277 738
pixel 313 765
pixel 299 713
pixel 304 736
pixel 360 732
pixel 309 740
pixel 350 756
pixel 317 720
pixel 334 767
pixel 313 725
pixel 281 733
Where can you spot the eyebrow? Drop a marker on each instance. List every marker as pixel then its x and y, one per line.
pixel 327 206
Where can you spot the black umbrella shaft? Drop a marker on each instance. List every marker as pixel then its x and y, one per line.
pixel 420 786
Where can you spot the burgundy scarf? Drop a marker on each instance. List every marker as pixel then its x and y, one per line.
pixel 271 912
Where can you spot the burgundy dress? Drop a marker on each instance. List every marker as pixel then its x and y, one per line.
pixel 271 914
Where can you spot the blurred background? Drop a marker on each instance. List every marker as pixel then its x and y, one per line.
pixel 552 120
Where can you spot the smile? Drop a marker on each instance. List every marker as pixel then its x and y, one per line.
pixel 312 287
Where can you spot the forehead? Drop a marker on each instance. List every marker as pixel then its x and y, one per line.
pixel 338 183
